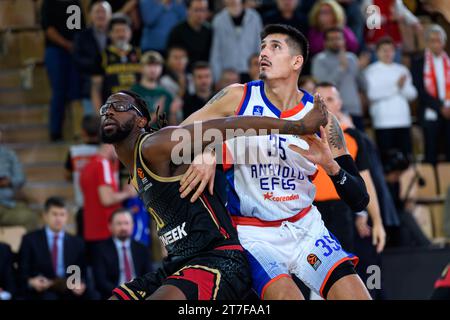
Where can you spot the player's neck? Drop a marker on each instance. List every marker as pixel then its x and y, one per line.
pixel 283 94
pixel 125 149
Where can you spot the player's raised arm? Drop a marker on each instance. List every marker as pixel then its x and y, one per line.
pixel 222 104
pixel 159 147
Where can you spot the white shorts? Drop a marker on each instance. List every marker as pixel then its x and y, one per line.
pixel 305 248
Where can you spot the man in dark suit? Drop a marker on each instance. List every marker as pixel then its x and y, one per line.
pixel 431 76
pixel 7 284
pixel 88 47
pixel 51 262
pixel 120 258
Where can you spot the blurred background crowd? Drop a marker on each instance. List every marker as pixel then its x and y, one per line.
pixel 382 67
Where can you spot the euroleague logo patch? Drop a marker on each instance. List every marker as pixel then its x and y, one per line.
pixel 314 261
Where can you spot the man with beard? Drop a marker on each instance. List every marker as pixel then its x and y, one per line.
pixel 120 258
pixel 205 259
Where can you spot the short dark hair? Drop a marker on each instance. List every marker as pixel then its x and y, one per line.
pixel 383 41
pixel 296 39
pixel 325 84
pixel 119 18
pixel 332 29
pixel 117 212
pixel 91 125
pixel 200 65
pixel 54 202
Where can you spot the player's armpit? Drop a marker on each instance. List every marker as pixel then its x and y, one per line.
pixel 222 104
pixel 335 136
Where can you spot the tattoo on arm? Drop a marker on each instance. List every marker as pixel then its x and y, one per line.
pixel 335 134
pixel 219 95
pixel 294 127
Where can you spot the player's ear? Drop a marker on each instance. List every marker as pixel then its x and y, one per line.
pixel 298 62
pixel 142 122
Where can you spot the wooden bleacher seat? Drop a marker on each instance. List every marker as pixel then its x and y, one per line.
pixel 443 173
pixel 426 193
pixel 12 236
pixel 422 214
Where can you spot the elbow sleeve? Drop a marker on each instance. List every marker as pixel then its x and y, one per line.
pixel 349 184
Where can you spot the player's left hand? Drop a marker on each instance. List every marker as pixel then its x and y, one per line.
pixel 199 174
pixel 319 151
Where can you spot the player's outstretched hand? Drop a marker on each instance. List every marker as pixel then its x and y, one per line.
pixel 199 174
pixel 317 117
pixel 319 151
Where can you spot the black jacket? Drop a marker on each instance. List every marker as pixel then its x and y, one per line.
pixel 35 259
pixel 7 276
pixel 87 56
pixel 106 265
pixel 425 99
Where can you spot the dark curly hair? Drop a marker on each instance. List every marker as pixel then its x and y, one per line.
pixel 161 119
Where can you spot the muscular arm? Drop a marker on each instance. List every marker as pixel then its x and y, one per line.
pixel 157 149
pixel 342 170
pixel 222 104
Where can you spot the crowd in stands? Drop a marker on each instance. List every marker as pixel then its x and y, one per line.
pixel 177 54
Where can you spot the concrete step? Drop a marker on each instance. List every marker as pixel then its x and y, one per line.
pixel 32 153
pixel 38 95
pixel 38 192
pixel 21 115
pixel 45 172
pixel 20 46
pixel 15 133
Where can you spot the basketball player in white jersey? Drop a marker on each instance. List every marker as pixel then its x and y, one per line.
pixel 271 204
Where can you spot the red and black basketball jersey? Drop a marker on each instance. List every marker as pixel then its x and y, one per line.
pixel 184 228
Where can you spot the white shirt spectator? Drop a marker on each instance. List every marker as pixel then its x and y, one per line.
pixel 389 107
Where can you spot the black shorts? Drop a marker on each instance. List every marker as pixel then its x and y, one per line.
pixel 222 274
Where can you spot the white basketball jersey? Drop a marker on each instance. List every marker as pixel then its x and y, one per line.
pixel 273 182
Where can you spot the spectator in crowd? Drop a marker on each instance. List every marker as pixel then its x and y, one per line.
pixel 431 73
pixel 324 15
pixel 88 47
pixel 287 12
pixel 99 183
pixel 229 76
pixel 62 72
pixel 203 83
pixel 236 37
pixel 339 66
pixel 12 178
pixel 194 34
pixel 159 17
pixel 391 13
pixel 253 69
pixel 119 259
pixel 337 216
pixel 7 277
pixel 77 158
pixel 353 13
pixel 150 90
pixel 129 8
pixel 307 83
pixel 45 255
pixel 176 80
pixel 389 88
pixel 120 63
